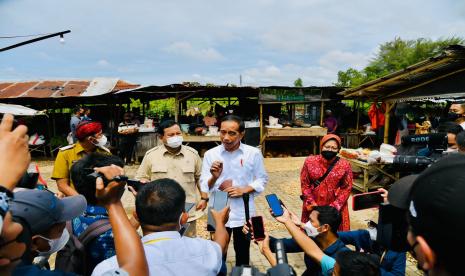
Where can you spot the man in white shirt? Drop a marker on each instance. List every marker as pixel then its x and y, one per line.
pixel 160 211
pixel 239 170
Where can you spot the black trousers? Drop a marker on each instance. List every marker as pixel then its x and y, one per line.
pixel 241 245
pixel 127 145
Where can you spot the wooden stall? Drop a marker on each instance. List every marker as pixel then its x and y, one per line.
pixel 312 99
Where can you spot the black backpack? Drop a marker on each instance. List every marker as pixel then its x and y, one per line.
pixel 73 257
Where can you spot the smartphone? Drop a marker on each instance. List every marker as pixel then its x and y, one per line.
pixel 220 200
pixel 275 204
pixel 366 200
pixel 188 206
pixel 135 184
pixel 258 228
pixel 184 228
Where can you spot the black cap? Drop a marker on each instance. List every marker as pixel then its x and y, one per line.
pixel 437 203
pixel 42 209
pixel 399 193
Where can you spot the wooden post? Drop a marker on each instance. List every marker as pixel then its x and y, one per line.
pixel 322 113
pixel 357 105
pixel 262 142
pixel 387 121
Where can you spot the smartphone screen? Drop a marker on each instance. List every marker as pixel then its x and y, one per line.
pixel 258 228
pixel 275 204
pixel 366 201
pixel 220 200
pixel 188 206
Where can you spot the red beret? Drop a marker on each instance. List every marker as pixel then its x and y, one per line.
pixel 87 128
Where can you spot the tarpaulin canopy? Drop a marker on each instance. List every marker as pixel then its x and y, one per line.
pixel 19 110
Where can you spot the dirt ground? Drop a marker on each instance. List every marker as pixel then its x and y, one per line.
pixel 284 181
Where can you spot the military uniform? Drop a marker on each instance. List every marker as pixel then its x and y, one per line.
pixel 184 167
pixel 67 156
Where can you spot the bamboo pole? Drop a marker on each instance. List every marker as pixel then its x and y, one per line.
pixel 261 129
pixel 357 105
pixel 176 107
pixel 322 112
pixel 387 121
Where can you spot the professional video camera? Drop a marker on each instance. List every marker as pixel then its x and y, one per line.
pixel 282 268
pixel 407 159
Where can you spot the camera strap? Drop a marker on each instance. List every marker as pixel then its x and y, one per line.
pixel 331 166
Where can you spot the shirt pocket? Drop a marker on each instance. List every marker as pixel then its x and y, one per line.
pixel 159 172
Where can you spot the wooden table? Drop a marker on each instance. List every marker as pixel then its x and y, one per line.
pixel 200 139
pixel 297 133
pixel 371 172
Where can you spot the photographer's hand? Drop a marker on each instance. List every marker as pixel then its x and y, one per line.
pixel 129 250
pixel 15 156
pixel 221 234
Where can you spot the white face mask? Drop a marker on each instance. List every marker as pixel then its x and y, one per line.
pixel 102 141
pixel 55 244
pixel 311 230
pixel 174 142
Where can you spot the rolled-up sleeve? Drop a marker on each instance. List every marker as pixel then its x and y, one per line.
pixel 260 175
pixel 205 175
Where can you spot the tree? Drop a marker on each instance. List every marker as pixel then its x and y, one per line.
pixel 394 56
pixel 298 83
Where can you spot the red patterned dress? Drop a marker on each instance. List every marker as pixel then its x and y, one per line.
pixel 333 191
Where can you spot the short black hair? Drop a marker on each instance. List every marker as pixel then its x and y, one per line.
pixel 460 138
pixel 77 109
pixel 357 263
pixel 85 185
pixel 329 215
pixel 236 119
pixel 165 124
pixel 160 202
pixel 450 127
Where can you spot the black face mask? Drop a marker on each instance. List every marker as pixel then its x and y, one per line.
pixel 453 116
pixel 328 154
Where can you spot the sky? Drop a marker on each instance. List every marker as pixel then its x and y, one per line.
pixel 267 42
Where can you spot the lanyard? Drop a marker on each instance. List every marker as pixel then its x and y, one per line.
pixel 156 240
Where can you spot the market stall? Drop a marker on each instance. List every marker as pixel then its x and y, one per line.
pixel 369 167
pixel 303 119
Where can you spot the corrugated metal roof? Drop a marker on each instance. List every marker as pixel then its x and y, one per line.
pixel 62 88
pixel 413 80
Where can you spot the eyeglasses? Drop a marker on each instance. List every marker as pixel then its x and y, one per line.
pixel 230 133
pixel 330 148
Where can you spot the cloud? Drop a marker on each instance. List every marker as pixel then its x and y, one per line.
pixel 340 60
pixel 103 63
pixel 185 49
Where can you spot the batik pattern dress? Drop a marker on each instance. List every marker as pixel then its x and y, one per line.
pixel 334 190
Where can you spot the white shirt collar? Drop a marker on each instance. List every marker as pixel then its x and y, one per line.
pixel 161 235
pixel 241 148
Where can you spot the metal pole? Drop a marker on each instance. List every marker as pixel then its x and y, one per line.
pixel 34 40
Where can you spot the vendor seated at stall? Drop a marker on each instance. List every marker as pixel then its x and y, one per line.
pixel 209 119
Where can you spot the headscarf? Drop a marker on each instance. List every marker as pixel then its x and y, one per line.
pixel 87 128
pixel 328 137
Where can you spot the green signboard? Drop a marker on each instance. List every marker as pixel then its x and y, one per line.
pixel 286 95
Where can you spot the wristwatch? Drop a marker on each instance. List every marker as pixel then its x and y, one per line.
pixel 206 199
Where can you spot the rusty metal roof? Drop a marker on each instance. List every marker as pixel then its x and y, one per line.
pixel 62 88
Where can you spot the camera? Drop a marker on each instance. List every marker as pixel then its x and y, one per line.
pixel 408 161
pixel 282 268
pixel 95 175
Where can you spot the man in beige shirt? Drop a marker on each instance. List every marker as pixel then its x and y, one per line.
pixel 176 161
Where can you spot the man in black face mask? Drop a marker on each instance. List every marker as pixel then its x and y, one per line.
pixel 457 114
pixel 322 188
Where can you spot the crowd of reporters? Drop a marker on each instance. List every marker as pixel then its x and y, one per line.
pixel 35 224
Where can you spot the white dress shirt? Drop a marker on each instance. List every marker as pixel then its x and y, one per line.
pixel 244 167
pixel 168 253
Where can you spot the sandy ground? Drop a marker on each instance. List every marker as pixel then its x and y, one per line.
pixel 284 181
